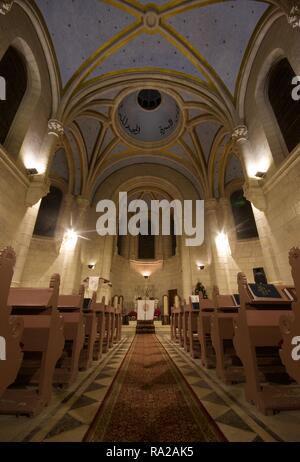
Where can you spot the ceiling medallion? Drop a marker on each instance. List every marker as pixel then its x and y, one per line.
pixel 151 19
pixel 148 119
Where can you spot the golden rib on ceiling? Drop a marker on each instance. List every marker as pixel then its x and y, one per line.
pixel 199 62
pixel 199 150
pixel 223 167
pixel 180 6
pixel 219 137
pixel 130 6
pixel 103 52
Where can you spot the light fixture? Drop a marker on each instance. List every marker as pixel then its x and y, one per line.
pixel 146 278
pixel 91 266
pixel 70 239
pixel 200 267
pixel 222 244
pixel 261 175
pixel 32 171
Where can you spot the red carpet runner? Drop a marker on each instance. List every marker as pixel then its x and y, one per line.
pixel 150 401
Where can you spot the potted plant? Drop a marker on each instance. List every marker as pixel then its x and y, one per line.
pixel 200 290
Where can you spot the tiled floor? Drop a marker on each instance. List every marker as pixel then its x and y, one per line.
pixel 73 410
pixel 237 419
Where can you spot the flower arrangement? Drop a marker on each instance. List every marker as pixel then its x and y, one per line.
pixel 200 290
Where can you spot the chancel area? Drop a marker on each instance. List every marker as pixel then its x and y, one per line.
pixel 149 221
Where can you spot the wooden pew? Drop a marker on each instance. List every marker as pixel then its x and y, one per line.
pixel 11 328
pixel 42 345
pixel 290 324
pixel 257 342
pixel 228 366
pixel 117 320
pixel 71 309
pixel 207 353
pixel 90 333
pixel 119 315
pixel 109 327
pixel 177 322
pixel 165 311
pixel 190 327
pixel 99 308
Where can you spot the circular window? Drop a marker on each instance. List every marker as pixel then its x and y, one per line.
pixel 149 99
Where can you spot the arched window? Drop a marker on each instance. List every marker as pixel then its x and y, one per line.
pixel 13 71
pixel 173 237
pixel 147 245
pixel 243 216
pixel 286 109
pixel 120 242
pixel 48 214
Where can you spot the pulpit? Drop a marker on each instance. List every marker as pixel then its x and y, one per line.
pixel 145 319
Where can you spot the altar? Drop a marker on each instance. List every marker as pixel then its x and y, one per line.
pixel 145 317
pixel 146 309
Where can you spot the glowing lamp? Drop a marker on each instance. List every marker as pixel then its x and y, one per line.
pixel 222 244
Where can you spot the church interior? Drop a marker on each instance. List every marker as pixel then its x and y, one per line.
pixel 140 337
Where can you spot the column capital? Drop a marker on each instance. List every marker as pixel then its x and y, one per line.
pixel 211 205
pixel 240 133
pixel 39 187
pixel 5 6
pixel 254 193
pixel 293 15
pixel 224 201
pixel 55 128
pixel 82 203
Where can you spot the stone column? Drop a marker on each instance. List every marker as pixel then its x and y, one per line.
pixel 228 223
pixel 159 255
pixel 105 289
pixel 240 137
pixel 254 193
pixel 187 284
pixel 167 247
pixel 39 187
pixel 72 267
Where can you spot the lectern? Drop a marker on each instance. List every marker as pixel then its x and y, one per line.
pixel 145 320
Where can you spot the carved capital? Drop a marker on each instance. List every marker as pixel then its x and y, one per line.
pixel 55 128
pixel 38 188
pixel 293 16
pixel 240 133
pixel 5 6
pixel 82 203
pixel 255 194
pixel 211 205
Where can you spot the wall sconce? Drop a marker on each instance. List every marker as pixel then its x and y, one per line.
pixel 70 239
pixel 32 171
pixel 91 266
pixel 200 267
pixel 261 175
pixel 222 244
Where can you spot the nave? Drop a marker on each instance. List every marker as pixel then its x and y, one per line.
pixel 149 220
pixel 72 415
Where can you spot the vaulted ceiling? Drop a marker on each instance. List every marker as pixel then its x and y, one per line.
pixel 192 49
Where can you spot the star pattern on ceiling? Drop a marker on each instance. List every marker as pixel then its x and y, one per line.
pixel 194 48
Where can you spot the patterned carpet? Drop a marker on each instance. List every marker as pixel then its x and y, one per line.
pixel 150 401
